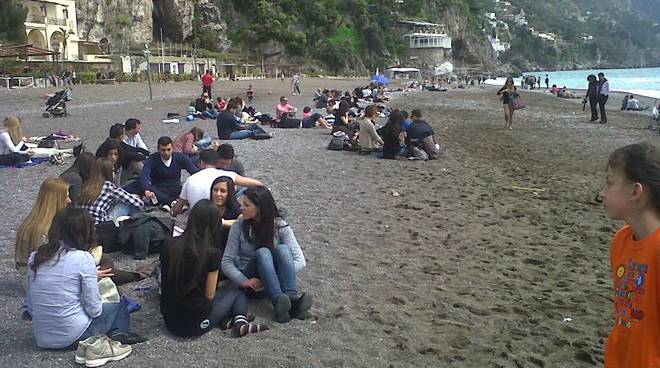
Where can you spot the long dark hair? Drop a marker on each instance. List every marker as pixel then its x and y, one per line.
pixel 393 126
pixel 82 165
pixel 190 251
pixel 72 228
pixel 261 231
pixel 231 204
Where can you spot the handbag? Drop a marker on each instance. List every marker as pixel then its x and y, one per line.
pixel 518 103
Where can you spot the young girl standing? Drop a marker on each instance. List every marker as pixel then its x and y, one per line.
pixel 507 94
pixel 632 194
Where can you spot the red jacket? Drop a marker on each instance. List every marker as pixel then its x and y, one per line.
pixel 207 80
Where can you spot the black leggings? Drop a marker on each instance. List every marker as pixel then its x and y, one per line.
pixel 120 277
pixel 13 159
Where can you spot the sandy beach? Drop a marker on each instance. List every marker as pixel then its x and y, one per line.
pixel 495 255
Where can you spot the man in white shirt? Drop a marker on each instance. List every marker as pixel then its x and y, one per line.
pixel 132 134
pixel 633 103
pixel 603 94
pixel 198 185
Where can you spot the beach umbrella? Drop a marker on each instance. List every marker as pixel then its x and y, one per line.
pixel 379 78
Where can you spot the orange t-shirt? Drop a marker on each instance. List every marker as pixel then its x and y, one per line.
pixel 635 338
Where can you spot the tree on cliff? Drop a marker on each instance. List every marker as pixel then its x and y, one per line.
pixel 12 22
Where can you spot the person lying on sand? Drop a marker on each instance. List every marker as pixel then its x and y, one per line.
pixel 633 105
pixel 310 120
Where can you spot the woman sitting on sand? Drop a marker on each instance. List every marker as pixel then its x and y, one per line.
pixel 186 143
pixel 110 151
pixel 32 233
pixel 99 196
pixel 13 150
pixel 77 173
pixel 263 253
pixel 189 302
pixel 310 120
pixel 63 294
pixel 507 94
pixel 223 195
pixel 370 141
pixel 392 134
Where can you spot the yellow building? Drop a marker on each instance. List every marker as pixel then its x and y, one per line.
pixel 51 24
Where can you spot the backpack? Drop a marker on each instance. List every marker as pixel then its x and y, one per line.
pixel 287 122
pixel 337 143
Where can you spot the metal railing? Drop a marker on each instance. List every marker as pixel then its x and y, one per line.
pixel 35 18
pixel 57 21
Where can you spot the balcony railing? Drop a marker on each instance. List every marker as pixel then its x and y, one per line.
pixel 35 18
pixel 57 21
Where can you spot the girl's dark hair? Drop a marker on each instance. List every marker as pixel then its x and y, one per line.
pixel 189 251
pixel 72 228
pixel 261 231
pixel 640 163
pixel 82 165
pixel 232 202
pixel 393 126
pixel 106 147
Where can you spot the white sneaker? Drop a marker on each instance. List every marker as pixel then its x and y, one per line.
pixel 81 352
pixel 104 350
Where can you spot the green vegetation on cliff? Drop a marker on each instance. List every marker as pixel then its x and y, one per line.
pixel 341 34
pixel 12 22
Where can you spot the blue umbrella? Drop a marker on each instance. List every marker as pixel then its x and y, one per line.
pixel 379 78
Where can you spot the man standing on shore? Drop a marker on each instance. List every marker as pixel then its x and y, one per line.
pixel 603 92
pixel 547 82
pixel 207 83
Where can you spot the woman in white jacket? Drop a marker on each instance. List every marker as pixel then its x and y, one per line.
pixel 12 146
pixel 262 253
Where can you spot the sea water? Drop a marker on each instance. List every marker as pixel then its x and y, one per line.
pixel 638 81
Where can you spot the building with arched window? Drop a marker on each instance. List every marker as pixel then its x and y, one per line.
pixel 51 24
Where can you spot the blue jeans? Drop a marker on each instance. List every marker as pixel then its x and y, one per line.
pixel 228 304
pixel 275 269
pixel 240 134
pixel 114 318
pixel 122 209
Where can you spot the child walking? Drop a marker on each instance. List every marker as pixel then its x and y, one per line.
pixel 632 194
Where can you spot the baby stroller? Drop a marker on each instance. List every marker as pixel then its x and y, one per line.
pixel 56 104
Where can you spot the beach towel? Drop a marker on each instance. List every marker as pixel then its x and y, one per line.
pixel 32 162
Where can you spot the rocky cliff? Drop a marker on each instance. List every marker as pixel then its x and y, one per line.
pixel 131 23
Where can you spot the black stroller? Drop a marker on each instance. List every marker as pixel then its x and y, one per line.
pixel 56 105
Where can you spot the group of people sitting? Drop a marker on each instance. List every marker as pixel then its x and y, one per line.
pixel 630 103
pixel 78 218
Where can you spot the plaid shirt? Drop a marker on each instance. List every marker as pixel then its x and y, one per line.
pixel 110 194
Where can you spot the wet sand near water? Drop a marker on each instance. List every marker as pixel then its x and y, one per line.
pixel 495 255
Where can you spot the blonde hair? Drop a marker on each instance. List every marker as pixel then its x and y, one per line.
pixel 51 198
pixel 13 126
pixel 92 186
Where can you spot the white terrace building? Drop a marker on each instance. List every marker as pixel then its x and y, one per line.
pixel 51 24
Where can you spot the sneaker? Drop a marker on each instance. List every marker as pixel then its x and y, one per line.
pixel 131 305
pixel 104 350
pixel 81 352
pixel 300 305
pixel 282 306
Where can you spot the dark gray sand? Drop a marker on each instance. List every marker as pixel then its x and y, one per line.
pixel 424 264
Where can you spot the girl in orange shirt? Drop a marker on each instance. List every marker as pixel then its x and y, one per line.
pixel 632 194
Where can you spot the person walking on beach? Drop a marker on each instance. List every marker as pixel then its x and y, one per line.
pixel 632 194
pixel 547 82
pixel 592 96
pixel 507 93
pixel 207 83
pixel 603 92
pixel 295 83
pixel 538 81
